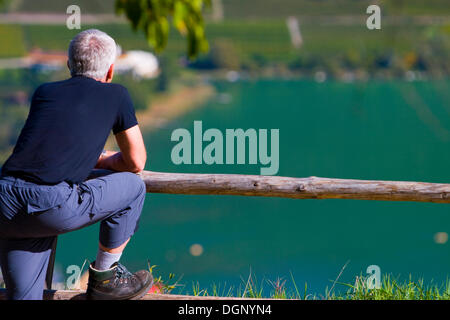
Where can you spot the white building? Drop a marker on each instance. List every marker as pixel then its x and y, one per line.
pixel 142 64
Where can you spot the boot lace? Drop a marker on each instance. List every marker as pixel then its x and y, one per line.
pixel 123 275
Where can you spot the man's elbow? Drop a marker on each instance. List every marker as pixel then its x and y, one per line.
pixel 137 169
pixel 138 165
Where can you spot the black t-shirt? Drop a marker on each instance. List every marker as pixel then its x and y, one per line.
pixel 67 128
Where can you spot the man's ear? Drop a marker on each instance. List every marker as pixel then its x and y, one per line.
pixel 110 74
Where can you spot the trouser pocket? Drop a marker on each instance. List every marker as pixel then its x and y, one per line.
pixel 43 198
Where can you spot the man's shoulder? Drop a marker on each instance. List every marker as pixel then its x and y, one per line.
pixel 50 85
pixel 111 88
pixel 116 87
pixel 118 91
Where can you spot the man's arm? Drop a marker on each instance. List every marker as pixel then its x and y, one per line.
pixel 132 155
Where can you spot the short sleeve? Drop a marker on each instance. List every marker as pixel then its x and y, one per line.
pixel 126 117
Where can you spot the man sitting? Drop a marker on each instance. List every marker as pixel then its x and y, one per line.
pixel 43 186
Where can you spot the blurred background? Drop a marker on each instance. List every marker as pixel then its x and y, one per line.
pixel 349 102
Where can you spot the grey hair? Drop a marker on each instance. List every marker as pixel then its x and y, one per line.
pixel 91 53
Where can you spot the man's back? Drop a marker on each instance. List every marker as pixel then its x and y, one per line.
pixel 66 130
pixel 43 186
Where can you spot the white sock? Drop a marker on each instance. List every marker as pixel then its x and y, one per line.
pixel 105 259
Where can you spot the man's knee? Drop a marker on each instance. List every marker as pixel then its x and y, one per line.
pixel 125 184
pixel 141 184
pixel 136 181
pixel 117 191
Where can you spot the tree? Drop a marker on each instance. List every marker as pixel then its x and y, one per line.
pixel 152 17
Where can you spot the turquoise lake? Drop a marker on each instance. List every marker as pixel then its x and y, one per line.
pixel 385 130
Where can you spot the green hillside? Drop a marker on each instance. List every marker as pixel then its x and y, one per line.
pixel 258 8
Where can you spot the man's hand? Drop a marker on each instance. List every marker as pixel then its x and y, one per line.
pixel 104 155
pixel 132 155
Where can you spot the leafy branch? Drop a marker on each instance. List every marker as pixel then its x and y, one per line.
pixel 152 17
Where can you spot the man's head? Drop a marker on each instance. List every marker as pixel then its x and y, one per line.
pixel 92 54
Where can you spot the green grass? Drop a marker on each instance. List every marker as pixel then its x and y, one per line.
pixel 391 288
pixel 12 41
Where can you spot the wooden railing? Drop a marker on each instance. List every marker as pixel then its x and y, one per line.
pixel 297 188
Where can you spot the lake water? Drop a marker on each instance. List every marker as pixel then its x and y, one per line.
pixel 374 130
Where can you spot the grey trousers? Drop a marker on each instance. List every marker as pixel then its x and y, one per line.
pixel 32 215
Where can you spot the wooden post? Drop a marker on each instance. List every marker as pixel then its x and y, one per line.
pixel 296 188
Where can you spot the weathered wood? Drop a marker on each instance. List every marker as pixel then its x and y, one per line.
pixel 297 188
pixel 81 295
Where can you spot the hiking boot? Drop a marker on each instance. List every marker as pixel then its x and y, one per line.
pixel 117 283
